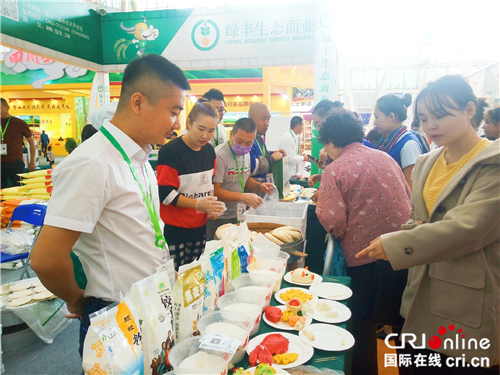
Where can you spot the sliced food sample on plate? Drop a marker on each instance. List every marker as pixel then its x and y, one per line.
pixel 300 294
pixel 271 345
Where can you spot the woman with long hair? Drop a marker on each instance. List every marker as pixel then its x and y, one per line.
pixel 451 244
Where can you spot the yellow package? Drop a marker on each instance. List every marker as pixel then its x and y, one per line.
pixel 36 174
pixel 188 292
pixel 45 197
pixel 44 190
pixel 37 180
pixel 38 185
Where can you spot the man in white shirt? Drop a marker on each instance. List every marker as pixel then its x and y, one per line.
pixel 216 98
pixel 103 211
pixel 290 142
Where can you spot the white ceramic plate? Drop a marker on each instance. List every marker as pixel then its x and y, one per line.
pixel 296 345
pixel 317 279
pixel 328 337
pixel 333 291
pixel 282 325
pixel 279 371
pixel 343 311
pixel 284 290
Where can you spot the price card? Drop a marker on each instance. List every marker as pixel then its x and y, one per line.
pixel 219 342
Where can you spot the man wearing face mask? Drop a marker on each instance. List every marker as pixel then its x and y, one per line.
pixel 261 159
pixel 232 176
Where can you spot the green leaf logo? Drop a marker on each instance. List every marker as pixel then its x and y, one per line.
pixel 205 30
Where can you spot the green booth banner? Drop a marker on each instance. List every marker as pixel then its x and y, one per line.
pixel 200 38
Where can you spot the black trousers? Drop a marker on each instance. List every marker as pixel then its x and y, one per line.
pixel 44 149
pixel 10 171
pixel 364 353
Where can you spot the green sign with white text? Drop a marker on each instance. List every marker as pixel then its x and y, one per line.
pixel 68 27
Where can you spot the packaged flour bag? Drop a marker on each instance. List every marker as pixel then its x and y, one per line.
pixel 118 328
pixel 237 249
pixel 219 268
pixel 212 265
pixel 188 300
pixel 153 299
pixel 95 359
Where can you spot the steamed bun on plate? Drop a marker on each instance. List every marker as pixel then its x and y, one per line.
pixel 302 275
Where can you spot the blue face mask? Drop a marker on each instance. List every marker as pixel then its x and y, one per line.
pixel 239 149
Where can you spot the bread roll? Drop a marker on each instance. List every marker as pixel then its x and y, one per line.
pixel 296 235
pixel 289 227
pixel 221 231
pixel 274 239
pixel 282 235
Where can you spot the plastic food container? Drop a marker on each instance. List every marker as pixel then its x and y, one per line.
pixel 216 317
pixel 188 347
pixel 242 296
pixel 272 267
pixel 282 256
pixel 258 281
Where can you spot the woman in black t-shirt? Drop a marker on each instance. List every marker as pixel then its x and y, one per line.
pixel 185 169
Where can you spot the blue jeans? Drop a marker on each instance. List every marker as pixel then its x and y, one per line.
pixel 92 305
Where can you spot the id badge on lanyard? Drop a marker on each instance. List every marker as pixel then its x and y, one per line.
pixel 270 178
pixel 240 210
pixel 3 146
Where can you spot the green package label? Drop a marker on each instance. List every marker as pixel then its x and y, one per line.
pixel 235 264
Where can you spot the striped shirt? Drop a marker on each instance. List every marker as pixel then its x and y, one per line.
pixel 442 173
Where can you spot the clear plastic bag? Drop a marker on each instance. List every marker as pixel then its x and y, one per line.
pixel 46 318
pixel 268 208
pixel 16 241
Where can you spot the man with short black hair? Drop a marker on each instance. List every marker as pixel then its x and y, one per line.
pixel 13 131
pixel 216 98
pixel 44 140
pixel 105 203
pixel 232 176
pixel 290 142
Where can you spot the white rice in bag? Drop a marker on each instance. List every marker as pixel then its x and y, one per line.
pixel 152 297
pixel 118 328
pixel 188 300
pixel 212 265
pixel 95 359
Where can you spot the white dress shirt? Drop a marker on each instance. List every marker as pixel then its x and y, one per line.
pixel 290 142
pixel 222 136
pixel 95 193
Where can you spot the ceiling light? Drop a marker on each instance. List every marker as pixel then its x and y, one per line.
pixel 284 96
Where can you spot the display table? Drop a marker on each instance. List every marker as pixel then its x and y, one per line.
pixel 341 360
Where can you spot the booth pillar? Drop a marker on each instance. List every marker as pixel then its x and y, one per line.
pixel 99 94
